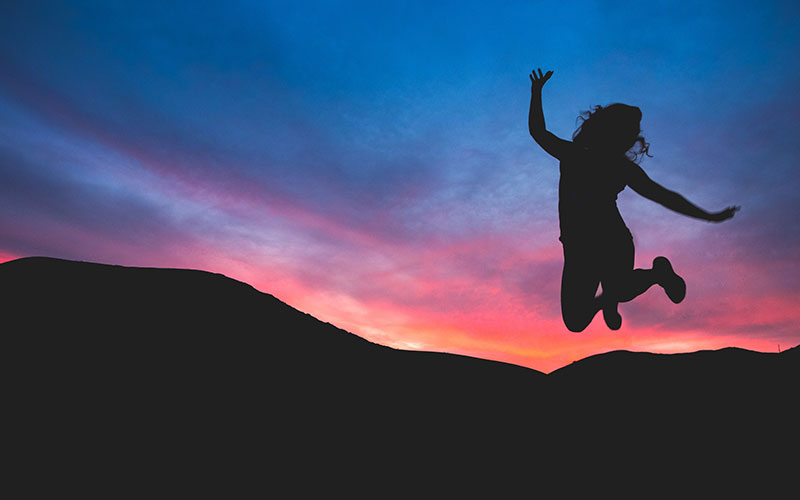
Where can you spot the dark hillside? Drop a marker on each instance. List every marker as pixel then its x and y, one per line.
pixel 120 371
pixel 172 334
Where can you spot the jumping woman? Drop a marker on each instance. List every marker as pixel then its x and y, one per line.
pixel 595 166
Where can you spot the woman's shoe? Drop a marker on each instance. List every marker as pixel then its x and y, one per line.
pixel 673 285
pixel 612 318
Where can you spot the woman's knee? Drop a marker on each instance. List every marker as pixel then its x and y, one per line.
pixel 576 321
pixel 575 327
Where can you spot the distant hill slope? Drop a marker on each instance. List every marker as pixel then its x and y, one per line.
pixel 189 368
pixel 735 369
pixel 164 323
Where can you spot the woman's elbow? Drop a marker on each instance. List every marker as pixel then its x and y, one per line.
pixel 536 133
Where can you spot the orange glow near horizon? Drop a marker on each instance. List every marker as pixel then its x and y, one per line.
pixel 500 325
pixel 5 257
pixel 513 334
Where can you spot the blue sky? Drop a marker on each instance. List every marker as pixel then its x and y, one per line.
pixel 368 160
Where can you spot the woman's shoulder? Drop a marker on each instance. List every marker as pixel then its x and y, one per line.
pixel 629 166
pixel 576 155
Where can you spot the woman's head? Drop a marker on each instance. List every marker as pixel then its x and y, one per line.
pixel 613 129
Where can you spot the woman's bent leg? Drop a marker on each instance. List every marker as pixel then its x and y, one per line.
pixel 579 282
pixel 638 282
pixel 622 283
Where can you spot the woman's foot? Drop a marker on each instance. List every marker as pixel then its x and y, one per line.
pixel 612 317
pixel 669 280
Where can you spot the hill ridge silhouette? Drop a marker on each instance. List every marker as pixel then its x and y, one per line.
pixel 38 267
pixel 181 305
pixel 192 370
pixel 47 278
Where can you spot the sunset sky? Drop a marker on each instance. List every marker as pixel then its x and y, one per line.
pixel 369 162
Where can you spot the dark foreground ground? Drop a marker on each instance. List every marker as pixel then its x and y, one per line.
pixel 179 382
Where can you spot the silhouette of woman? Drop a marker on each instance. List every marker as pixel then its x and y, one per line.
pixel 595 167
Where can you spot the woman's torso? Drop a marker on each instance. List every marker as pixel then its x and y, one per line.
pixel 587 197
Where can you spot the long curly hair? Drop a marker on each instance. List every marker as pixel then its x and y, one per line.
pixel 613 129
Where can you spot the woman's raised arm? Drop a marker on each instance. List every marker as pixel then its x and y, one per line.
pixel 554 145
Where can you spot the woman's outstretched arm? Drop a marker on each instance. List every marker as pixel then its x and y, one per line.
pixel 554 146
pixel 645 186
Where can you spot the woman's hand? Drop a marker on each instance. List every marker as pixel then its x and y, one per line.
pixel 538 81
pixel 724 215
